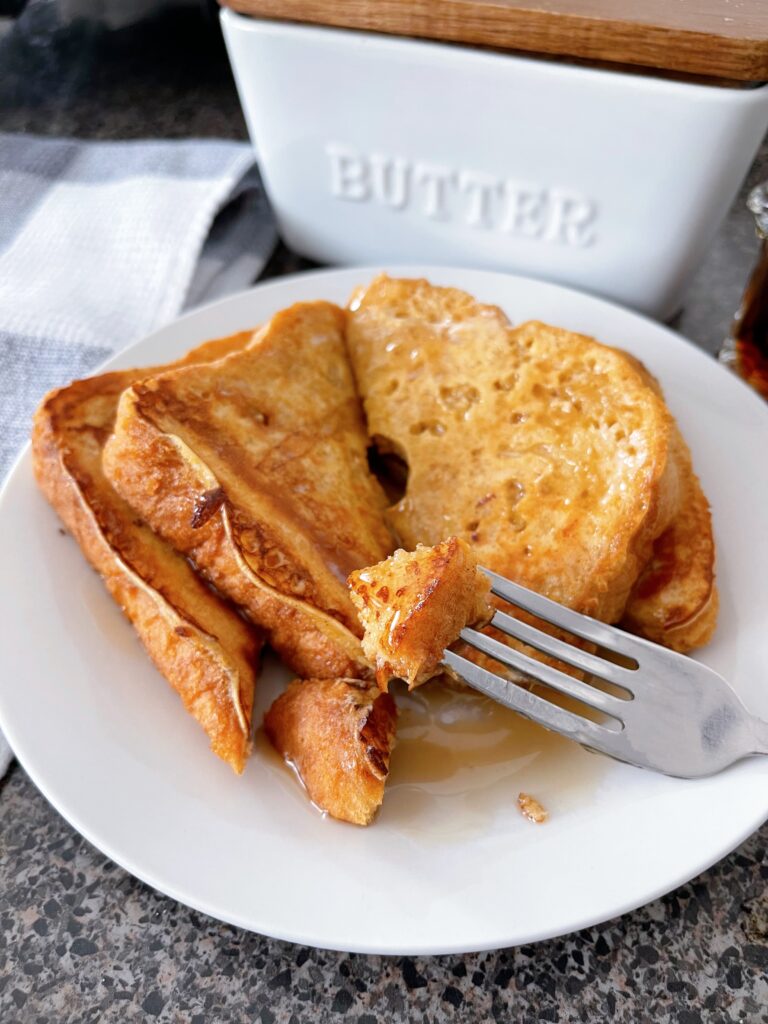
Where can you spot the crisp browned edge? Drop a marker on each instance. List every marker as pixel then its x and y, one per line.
pixel 684 635
pixel 170 652
pixel 653 35
pixel 281 616
pixel 698 627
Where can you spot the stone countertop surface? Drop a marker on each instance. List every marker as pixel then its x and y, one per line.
pixel 81 940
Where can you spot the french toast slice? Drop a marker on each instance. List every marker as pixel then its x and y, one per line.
pixel 414 604
pixel 544 450
pixel 256 468
pixel 199 642
pixel 338 734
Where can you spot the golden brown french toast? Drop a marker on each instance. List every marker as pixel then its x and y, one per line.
pixel 414 604
pixel 544 450
pixel 197 640
pixel 256 468
pixel 338 734
pixel 675 600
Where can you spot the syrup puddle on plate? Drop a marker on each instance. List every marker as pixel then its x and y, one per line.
pixel 461 761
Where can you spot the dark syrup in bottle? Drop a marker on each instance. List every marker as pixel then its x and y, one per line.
pixel 746 351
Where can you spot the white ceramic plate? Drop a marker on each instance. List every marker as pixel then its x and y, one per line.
pixel 451 865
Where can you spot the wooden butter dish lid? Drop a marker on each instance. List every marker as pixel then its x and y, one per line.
pixel 721 39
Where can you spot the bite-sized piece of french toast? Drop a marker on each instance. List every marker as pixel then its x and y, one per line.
pixel 675 602
pixel 414 604
pixel 256 468
pixel 199 642
pixel 543 449
pixel 338 734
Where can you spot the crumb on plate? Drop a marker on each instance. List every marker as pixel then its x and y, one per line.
pixel 531 809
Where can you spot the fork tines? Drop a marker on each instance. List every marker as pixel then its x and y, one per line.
pixel 532 705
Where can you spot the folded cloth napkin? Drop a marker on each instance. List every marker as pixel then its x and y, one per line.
pixel 100 243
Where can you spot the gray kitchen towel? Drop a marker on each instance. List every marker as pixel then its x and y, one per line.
pixel 100 243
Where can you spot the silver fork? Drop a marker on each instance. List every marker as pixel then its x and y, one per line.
pixel 676 715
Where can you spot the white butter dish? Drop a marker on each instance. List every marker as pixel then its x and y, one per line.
pixel 379 148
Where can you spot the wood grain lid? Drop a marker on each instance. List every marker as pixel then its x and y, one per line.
pixel 723 39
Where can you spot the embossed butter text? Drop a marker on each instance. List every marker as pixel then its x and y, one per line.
pixel 479 200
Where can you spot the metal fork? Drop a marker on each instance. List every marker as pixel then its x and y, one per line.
pixel 676 715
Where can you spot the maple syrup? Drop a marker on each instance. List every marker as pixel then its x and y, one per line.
pixel 461 761
pixel 746 350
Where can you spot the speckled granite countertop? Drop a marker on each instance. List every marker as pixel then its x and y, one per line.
pixel 80 940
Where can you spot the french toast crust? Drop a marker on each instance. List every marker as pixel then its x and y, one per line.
pixel 687 635
pixel 284 563
pixel 197 641
pixel 674 600
pixel 338 735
